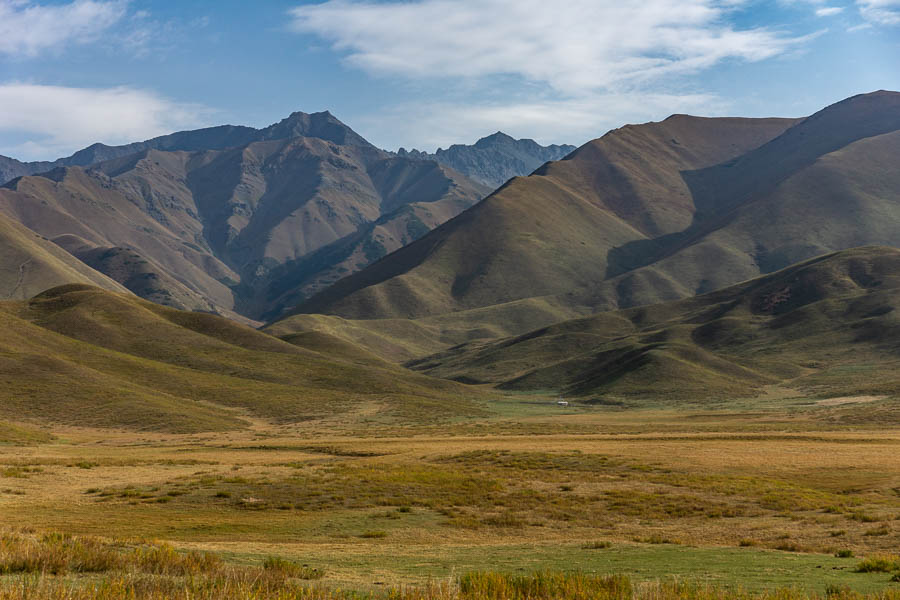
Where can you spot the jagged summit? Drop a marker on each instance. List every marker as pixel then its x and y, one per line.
pixel 494 139
pixel 322 125
pixel 494 159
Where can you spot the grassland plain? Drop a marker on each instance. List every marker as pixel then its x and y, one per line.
pixel 767 495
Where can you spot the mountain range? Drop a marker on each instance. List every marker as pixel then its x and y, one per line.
pixel 318 125
pixel 646 214
pixel 495 159
pixel 237 220
pixel 691 259
pixel 248 222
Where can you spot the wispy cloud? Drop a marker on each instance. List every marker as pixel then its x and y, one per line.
pixel 55 121
pixel 880 12
pixel 578 46
pixel 27 28
pixel 829 11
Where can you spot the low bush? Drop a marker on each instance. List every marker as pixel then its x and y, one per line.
pixel 287 569
pixel 879 563
pixel 599 545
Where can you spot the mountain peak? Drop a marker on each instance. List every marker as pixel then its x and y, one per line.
pixel 494 159
pixel 321 125
pixel 494 139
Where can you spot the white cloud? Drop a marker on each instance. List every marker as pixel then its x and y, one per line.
pixel 575 47
pixel 881 12
pixel 829 11
pixel 428 126
pixel 27 29
pixel 53 121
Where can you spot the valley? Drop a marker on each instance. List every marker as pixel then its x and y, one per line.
pixel 284 363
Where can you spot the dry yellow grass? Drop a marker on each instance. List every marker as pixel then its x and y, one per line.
pixel 319 495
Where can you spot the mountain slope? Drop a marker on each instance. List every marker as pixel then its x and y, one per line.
pixel 30 264
pixel 495 159
pixel 647 213
pixel 214 230
pixel 83 356
pixel 815 324
pixel 551 233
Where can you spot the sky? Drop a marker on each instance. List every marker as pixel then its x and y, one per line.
pixel 425 73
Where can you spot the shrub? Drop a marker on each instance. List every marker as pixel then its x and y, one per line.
pixel 833 590
pixel 879 563
pixel 844 554
pixel 544 585
pixel 378 534
pixel 505 519
pixel 598 545
pixel 286 568
pixel 165 560
pixel 657 539
pixel 56 554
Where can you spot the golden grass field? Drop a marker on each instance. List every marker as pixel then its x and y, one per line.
pixel 779 492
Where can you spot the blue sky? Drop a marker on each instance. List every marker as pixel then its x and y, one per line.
pixel 425 73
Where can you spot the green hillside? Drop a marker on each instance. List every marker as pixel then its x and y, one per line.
pixel 828 326
pixel 78 355
pixel 30 264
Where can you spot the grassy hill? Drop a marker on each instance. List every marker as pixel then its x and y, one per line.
pixel 30 264
pixel 829 326
pixel 646 214
pixel 79 355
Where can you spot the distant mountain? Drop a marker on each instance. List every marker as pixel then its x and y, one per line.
pixel 237 220
pixel 805 326
pixel 11 168
pixel 645 214
pixel 495 159
pixel 321 125
pixel 30 264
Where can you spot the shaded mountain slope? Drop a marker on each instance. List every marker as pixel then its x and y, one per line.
pixel 83 356
pixel 785 203
pixel 11 168
pixel 646 214
pixel 495 159
pixel 205 229
pixel 30 264
pixel 829 325
pixel 552 232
